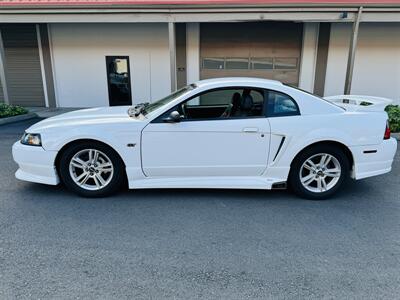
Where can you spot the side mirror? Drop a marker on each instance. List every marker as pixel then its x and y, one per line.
pixel 174 117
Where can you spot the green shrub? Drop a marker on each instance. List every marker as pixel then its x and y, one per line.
pixel 11 110
pixel 394 117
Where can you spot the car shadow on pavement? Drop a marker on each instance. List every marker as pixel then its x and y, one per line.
pixel 61 190
pixel 352 191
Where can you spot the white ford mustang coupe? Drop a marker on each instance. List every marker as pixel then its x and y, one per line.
pixel 240 133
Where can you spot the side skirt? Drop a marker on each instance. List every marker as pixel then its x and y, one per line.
pixel 260 183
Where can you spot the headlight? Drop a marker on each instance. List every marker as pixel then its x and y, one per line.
pixel 32 139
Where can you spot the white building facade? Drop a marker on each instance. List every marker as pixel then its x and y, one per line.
pixel 99 55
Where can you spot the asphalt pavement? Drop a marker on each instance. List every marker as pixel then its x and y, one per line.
pixel 197 244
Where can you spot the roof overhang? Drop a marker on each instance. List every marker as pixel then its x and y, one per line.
pixel 143 11
pixel 189 3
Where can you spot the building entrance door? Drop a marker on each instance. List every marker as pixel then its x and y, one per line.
pixel 119 80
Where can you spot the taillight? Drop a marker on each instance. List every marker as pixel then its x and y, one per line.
pixel 387 132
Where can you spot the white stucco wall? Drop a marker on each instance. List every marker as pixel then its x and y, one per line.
pixel 79 52
pixel 377 62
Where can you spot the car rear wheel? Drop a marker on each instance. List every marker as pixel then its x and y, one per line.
pixel 91 169
pixel 318 172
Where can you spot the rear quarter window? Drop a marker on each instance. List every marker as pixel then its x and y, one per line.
pixel 280 104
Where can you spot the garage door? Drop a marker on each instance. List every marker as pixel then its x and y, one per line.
pixel 24 77
pixel 261 49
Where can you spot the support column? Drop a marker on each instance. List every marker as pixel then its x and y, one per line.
pixel 352 53
pixel 3 71
pixel 308 56
pixel 192 52
pixel 39 41
pixel 46 64
pixel 172 54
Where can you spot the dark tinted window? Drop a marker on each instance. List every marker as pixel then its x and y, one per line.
pixel 223 103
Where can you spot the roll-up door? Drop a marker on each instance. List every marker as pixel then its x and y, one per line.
pixel 269 50
pixel 23 72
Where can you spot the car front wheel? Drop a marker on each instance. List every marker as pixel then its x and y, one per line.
pixel 91 169
pixel 318 172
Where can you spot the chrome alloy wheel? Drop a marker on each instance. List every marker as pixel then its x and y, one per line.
pixel 91 169
pixel 320 173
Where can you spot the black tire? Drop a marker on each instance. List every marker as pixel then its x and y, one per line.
pixel 117 179
pixel 294 175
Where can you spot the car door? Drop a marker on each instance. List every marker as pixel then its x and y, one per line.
pixel 210 139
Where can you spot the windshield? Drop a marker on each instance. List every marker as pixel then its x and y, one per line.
pixel 156 105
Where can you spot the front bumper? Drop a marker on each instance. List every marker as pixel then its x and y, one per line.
pixel 376 163
pixel 35 164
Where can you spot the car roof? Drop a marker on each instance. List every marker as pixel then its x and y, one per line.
pixel 237 81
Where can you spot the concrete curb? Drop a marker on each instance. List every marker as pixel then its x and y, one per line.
pixel 396 135
pixel 19 118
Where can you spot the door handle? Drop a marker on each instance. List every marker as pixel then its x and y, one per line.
pixel 250 129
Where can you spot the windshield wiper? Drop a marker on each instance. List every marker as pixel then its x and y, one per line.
pixel 138 109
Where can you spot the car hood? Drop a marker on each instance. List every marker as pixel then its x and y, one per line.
pixel 85 117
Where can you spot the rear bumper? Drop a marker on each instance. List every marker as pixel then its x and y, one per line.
pixel 35 164
pixel 374 163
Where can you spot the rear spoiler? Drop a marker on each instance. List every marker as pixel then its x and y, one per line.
pixel 359 103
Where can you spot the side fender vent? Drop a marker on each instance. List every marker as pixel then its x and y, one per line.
pixel 279 148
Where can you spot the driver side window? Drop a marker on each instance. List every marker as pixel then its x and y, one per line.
pixel 226 103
